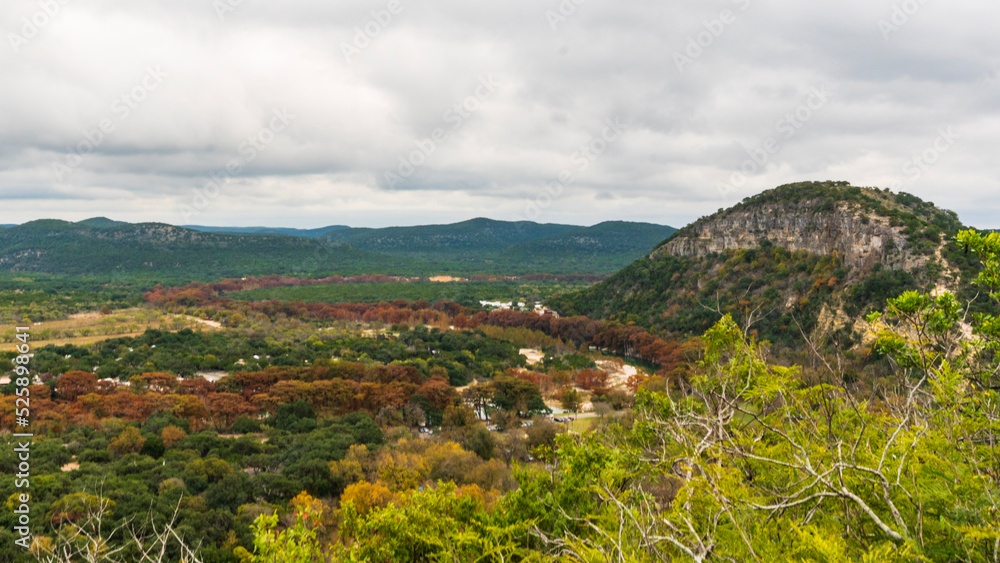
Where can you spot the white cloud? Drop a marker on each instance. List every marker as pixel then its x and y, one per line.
pixel 689 131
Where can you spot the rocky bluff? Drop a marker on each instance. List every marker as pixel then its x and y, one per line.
pixel 863 226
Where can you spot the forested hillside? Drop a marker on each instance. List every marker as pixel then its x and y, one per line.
pixel 794 260
pixel 460 241
pixel 102 247
pixel 127 251
pixel 308 233
pixel 482 242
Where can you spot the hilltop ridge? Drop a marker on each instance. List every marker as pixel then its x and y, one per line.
pixel 811 256
pixel 101 246
pixel 864 226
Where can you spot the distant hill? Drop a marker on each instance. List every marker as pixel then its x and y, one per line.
pixel 103 247
pixel 812 256
pixel 308 233
pixel 486 243
pixel 605 245
pixel 468 239
pixel 157 249
pixel 101 223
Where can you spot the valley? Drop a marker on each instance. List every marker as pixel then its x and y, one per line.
pixel 809 375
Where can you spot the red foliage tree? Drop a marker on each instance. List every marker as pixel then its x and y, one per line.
pixel 73 384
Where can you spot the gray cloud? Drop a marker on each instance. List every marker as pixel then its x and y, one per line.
pixel 892 86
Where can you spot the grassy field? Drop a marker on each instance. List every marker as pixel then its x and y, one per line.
pixel 581 425
pixel 87 328
pixel 466 293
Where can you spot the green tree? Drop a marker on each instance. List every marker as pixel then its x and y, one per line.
pixel 296 544
pixel 444 523
pixel 571 400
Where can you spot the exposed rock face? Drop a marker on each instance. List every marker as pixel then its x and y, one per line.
pixel 860 240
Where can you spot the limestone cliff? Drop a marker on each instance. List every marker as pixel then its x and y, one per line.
pixel 862 226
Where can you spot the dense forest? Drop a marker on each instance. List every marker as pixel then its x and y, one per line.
pixel 307 404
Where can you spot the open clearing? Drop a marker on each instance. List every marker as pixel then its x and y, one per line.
pixel 88 328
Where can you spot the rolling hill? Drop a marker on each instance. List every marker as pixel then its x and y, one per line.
pixel 308 233
pixel 101 223
pixel 486 243
pixel 154 249
pixel 459 241
pixel 601 247
pixel 102 247
pixel 810 257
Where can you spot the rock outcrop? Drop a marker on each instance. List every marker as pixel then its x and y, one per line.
pixel 858 233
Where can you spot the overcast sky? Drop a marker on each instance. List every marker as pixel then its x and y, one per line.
pixel 375 113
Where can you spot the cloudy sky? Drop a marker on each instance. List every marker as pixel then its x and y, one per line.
pixel 377 112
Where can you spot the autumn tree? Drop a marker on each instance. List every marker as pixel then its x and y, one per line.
pixel 439 393
pixel 458 417
pixel 75 506
pixel 171 435
pixel 366 497
pixel 225 408
pixel 74 384
pixel 159 382
pixel 591 379
pixel 357 465
pixel 130 441
pixel 443 523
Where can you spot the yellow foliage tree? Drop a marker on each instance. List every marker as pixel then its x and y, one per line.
pixel 304 502
pixel 356 466
pixel 130 441
pixel 366 496
pixel 171 435
pixel 401 471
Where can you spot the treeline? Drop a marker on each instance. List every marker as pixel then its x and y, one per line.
pixel 276 280
pixel 339 388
